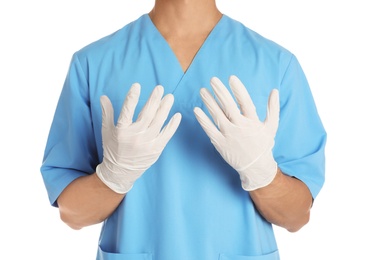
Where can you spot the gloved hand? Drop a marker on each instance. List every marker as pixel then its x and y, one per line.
pixel 240 137
pixel 131 148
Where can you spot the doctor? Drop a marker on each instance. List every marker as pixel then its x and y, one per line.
pixel 187 135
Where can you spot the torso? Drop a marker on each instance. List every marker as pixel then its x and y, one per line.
pixel 218 218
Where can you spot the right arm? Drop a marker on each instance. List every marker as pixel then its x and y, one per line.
pixel 87 201
pixel 129 150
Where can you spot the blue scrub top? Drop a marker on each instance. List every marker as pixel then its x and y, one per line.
pixel 189 205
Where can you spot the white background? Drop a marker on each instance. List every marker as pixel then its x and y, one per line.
pixel 336 43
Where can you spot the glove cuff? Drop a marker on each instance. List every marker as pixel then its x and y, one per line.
pixel 110 179
pixel 259 174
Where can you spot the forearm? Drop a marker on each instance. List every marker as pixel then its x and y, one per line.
pixel 87 201
pixel 285 202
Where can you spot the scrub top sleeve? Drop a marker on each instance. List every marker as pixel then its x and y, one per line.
pixel 70 151
pixel 300 141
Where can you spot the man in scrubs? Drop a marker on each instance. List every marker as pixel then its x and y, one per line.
pixel 187 135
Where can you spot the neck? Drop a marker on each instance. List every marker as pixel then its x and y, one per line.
pixel 183 17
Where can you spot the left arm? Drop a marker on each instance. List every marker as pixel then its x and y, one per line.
pixel 285 202
pixel 246 144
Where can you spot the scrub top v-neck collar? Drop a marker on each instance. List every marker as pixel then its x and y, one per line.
pixel 154 34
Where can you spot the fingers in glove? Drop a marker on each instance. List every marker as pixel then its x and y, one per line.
pixel 273 112
pixel 215 111
pixel 243 98
pixel 149 109
pixel 227 103
pixel 107 113
pixel 126 116
pixel 162 114
pixel 170 129
pixel 207 125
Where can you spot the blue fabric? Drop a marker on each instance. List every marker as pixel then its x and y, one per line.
pixel 189 204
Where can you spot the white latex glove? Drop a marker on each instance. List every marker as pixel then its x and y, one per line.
pixel 131 148
pixel 239 136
